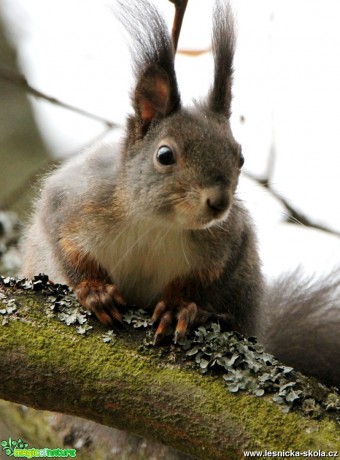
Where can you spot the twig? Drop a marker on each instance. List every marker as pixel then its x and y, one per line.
pixel 180 6
pixel 20 81
pixel 293 216
pixel 194 53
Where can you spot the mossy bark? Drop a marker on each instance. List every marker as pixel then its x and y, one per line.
pixel 47 365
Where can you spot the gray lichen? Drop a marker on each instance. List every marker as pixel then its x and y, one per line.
pixel 241 362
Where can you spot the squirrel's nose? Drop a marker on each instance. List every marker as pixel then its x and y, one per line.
pixel 217 200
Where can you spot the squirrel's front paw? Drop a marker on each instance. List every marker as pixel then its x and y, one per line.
pixel 102 299
pixel 166 316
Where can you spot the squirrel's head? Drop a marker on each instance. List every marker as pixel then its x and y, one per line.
pixel 181 165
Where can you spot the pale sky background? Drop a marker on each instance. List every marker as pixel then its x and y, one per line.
pixel 287 74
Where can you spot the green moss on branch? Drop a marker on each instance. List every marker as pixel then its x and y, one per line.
pixel 46 365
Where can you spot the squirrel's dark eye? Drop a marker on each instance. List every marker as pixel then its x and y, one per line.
pixel 165 156
pixel 241 160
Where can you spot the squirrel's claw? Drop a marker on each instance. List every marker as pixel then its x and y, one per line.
pixel 165 326
pixel 102 299
pixel 165 315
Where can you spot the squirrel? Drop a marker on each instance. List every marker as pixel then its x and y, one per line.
pixel 157 224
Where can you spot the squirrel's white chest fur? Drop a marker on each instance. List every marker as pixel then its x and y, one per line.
pixel 142 259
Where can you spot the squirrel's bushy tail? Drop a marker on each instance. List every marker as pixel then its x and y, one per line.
pixel 300 324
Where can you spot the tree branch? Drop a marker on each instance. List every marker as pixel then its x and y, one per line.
pixel 47 365
pixel 180 7
pixel 193 53
pixel 20 81
pixel 293 215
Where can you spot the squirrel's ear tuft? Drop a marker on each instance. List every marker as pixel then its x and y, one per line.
pixel 156 94
pixel 223 44
pixel 152 97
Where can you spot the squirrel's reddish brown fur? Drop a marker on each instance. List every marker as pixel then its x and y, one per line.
pixel 157 224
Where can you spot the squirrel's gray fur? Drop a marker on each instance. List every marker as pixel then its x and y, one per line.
pixel 122 226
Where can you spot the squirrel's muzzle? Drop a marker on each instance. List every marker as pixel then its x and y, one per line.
pixel 217 201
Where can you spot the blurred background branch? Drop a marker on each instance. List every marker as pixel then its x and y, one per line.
pixel 19 80
pixel 22 150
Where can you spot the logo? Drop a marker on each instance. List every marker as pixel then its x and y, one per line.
pixel 20 449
